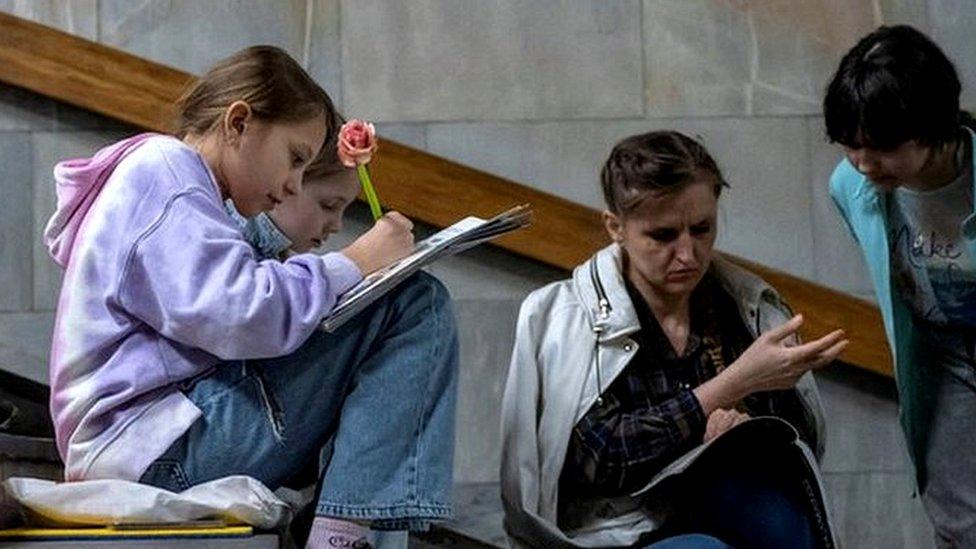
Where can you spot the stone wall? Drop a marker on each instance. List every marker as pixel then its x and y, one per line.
pixel 532 90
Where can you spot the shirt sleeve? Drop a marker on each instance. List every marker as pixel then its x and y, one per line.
pixel 192 278
pixel 616 451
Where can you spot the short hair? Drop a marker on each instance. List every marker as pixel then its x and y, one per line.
pixel 893 86
pixel 654 163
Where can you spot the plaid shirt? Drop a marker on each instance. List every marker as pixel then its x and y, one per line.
pixel 649 415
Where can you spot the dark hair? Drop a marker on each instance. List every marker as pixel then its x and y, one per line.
pixel 894 86
pixel 651 164
pixel 267 78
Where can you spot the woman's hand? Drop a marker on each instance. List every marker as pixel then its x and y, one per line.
pixel 770 363
pixel 390 239
pixel 722 420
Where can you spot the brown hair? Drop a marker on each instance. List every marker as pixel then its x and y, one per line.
pixel 327 162
pixel 267 78
pixel 651 164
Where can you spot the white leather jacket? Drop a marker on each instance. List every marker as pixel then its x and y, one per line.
pixel 573 339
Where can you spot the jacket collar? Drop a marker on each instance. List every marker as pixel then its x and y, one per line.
pixel 605 268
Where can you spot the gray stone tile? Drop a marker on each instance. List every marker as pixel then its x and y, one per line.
pixel 697 58
pixel 765 216
pixel 910 12
pixel 323 47
pixel 863 433
pixel 704 57
pixel 77 17
pixel 50 148
pixel 70 118
pixel 192 36
pixel 21 109
pixel 486 334
pixel 561 158
pixel 838 262
pixel 505 60
pixel 15 221
pixel 952 28
pixel 25 344
pixel 487 272
pixel 878 510
pixel 797 48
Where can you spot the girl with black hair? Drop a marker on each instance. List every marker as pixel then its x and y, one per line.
pixel 906 192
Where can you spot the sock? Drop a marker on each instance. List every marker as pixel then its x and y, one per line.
pixel 332 533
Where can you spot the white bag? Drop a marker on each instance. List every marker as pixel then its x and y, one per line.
pixel 234 499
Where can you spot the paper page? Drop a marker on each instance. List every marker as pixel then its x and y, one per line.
pixel 464 234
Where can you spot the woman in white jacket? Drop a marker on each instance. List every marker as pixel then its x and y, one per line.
pixel 618 388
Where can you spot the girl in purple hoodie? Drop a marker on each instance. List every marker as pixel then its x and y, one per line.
pixel 179 357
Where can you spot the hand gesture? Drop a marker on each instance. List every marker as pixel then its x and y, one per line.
pixel 390 239
pixel 771 362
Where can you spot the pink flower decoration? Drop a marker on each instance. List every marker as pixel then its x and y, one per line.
pixel 357 143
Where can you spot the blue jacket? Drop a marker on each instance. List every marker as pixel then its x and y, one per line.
pixel 864 209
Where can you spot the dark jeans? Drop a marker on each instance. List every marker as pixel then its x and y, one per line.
pixel 748 502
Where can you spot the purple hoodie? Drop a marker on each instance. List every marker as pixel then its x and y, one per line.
pixel 159 286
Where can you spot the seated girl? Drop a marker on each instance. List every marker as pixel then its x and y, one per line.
pixel 180 357
pixel 654 347
pixel 302 222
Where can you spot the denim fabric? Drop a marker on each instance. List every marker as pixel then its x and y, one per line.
pixel 747 500
pixel 260 231
pixel 380 392
pixel 949 497
pixel 690 541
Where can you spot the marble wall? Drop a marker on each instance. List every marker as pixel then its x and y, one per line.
pixel 536 91
pixel 539 91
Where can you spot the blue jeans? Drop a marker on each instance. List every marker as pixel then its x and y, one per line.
pixel 380 393
pixel 752 502
pixel 690 541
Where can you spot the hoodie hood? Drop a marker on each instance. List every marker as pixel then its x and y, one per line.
pixel 78 183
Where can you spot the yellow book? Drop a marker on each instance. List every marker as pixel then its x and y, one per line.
pixel 179 530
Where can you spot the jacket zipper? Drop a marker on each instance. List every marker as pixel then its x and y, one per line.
pixel 603 313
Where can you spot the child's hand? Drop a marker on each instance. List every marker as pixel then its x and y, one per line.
pixel 390 239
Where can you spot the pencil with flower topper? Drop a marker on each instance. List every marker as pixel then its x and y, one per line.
pixel 357 143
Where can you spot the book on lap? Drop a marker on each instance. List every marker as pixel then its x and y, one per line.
pixel 465 234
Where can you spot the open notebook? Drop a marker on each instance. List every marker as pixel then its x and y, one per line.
pixel 464 234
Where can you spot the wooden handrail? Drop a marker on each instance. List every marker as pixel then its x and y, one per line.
pixel 422 186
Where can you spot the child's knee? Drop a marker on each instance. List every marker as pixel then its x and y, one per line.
pixel 432 284
pixel 423 287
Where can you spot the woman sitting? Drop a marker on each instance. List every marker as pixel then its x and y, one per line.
pixel 654 347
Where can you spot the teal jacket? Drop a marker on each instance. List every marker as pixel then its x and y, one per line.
pixel 864 209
